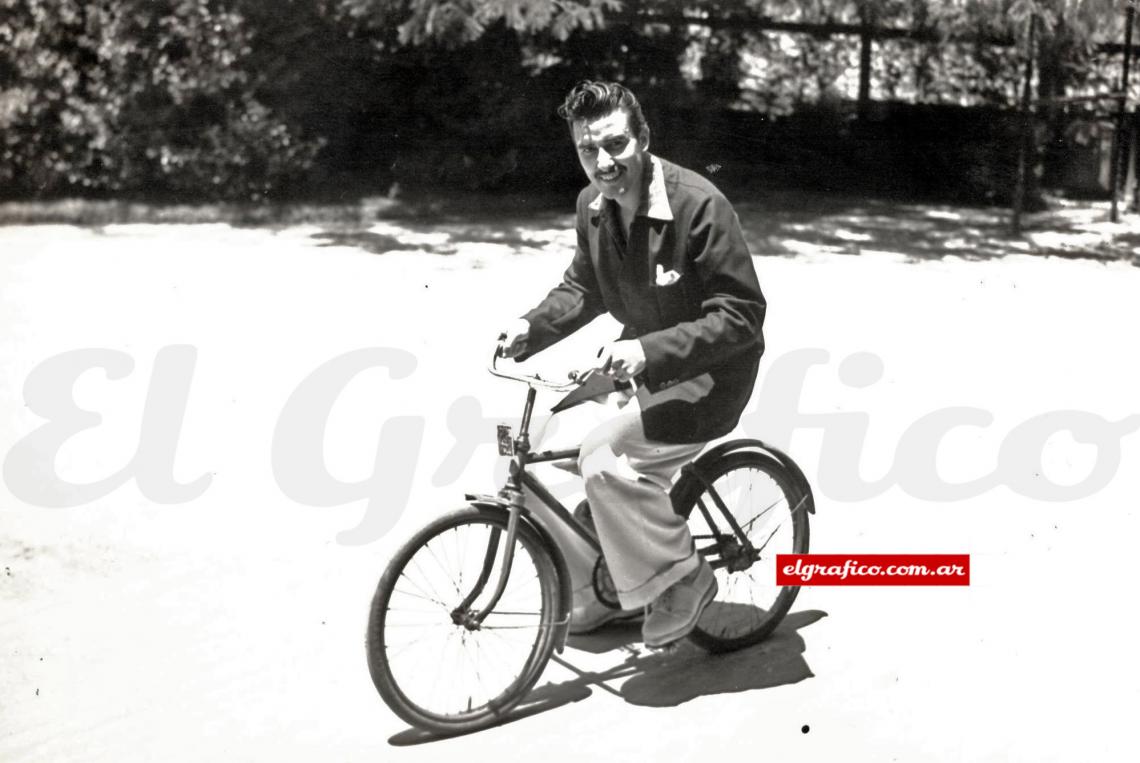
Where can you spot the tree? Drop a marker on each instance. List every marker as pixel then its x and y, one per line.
pixel 456 22
pixel 137 96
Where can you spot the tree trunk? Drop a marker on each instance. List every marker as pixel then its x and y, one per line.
pixel 1132 183
pixel 866 15
pixel 1023 158
pixel 1119 141
pixel 1051 57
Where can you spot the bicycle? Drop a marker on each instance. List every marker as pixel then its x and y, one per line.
pixel 436 633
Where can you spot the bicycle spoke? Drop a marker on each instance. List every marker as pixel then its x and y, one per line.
pixel 441 605
pixel 439 675
pixel 470 661
pixel 800 505
pixel 746 526
pixel 427 581
pixel 462 565
pixel 768 540
pixel 400 648
pixel 439 564
pixel 494 628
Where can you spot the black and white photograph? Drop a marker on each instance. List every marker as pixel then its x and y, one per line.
pixel 422 380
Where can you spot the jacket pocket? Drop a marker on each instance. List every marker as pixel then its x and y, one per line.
pixel 674 303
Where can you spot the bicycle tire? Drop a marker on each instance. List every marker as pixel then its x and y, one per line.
pixel 726 624
pixel 403 690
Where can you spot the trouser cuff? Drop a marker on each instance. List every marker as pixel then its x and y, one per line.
pixel 647 592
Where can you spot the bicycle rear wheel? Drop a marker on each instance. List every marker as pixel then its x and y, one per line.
pixel 434 665
pixel 769 509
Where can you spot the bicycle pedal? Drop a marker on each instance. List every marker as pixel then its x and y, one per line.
pixel 666 650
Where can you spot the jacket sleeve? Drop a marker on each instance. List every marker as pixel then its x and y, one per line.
pixel 571 304
pixel 732 306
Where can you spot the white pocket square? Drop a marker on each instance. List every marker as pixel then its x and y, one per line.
pixel 667 278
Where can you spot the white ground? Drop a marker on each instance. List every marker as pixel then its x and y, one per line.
pixel 230 627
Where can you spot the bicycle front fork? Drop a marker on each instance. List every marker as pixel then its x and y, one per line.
pixel 472 619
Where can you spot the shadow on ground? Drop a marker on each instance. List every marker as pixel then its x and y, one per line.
pixel 791 224
pixel 446 236
pixel 664 679
pixel 809 224
pixel 687 672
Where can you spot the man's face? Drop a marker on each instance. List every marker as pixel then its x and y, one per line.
pixel 612 156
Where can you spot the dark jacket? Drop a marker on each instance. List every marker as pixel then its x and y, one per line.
pixel 704 316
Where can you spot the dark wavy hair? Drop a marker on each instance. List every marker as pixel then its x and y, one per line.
pixel 592 100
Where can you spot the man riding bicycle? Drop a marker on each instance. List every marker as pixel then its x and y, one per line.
pixel 660 249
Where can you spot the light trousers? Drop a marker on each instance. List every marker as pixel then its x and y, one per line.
pixel 627 478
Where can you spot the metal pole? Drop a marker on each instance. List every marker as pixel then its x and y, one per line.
pixel 1026 133
pixel 1118 142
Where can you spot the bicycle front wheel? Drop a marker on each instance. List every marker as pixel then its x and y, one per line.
pixel 435 664
pixel 747 510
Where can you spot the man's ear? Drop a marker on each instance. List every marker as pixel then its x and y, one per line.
pixel 643 139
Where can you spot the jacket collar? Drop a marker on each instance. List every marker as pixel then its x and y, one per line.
pixel 655 203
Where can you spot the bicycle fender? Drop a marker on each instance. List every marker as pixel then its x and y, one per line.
pixel 487 501
pixel 775 453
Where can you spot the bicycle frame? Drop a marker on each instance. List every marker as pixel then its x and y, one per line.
pixel 510 498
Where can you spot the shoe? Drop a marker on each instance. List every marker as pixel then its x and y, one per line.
pixel 591 615
pixel 676 611
pixel 584 517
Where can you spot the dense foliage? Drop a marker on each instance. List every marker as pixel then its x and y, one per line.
pixel 246 99
pixel 137 95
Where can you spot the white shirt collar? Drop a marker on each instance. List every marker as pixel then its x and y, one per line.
pixel 656 202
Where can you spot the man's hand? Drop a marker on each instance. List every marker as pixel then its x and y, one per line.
pixel 513 337
pixel 622 360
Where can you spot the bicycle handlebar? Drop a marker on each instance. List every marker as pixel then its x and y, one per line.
pixel 534 379
pixel 576 378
